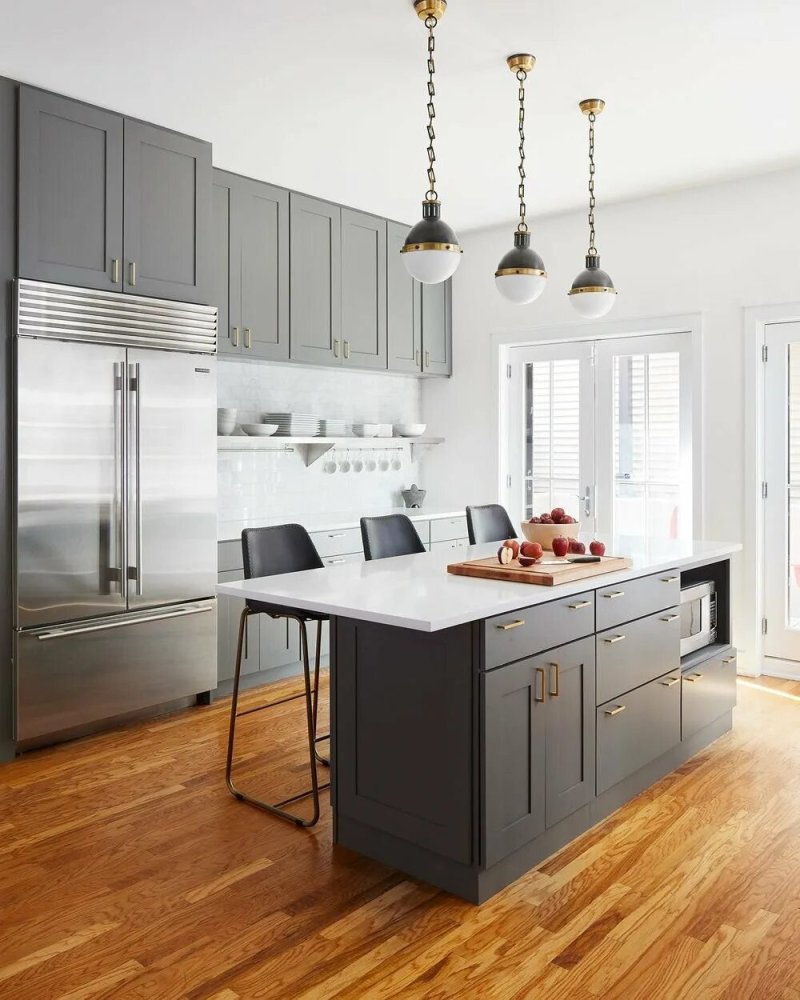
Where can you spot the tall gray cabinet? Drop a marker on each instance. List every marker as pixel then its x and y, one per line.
pixel 315 264
pixel 363 290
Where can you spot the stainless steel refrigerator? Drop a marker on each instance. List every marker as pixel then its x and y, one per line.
pixel 115 512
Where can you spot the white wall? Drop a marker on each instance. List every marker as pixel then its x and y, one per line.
pixel 710 250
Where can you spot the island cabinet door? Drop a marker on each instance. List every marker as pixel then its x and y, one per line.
pixel 514 733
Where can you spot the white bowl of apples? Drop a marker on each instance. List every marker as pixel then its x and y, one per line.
pixel 544 528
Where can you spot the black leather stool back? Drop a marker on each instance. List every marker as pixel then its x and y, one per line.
pixel 390 535
pixel 489 523
pixel 283 548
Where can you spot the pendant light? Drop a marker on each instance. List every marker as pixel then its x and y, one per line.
pixel 520 276
pixel 431 252
pixel 592 293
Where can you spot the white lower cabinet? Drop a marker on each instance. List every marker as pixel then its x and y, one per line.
pixel 453 543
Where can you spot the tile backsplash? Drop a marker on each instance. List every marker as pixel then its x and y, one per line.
pixel 256 484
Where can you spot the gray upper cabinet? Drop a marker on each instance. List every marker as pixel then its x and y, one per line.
pixel 70 191
pixel 316 280
pixel 363 290
pixel 403 306
pixel 251 267
pixel 167 243
pixel 437 336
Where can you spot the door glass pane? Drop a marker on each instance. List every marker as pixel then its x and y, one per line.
pixel 552 435
pixel 793 505
pixel 646 440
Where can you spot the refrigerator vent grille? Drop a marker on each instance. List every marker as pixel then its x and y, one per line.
pixel 67 313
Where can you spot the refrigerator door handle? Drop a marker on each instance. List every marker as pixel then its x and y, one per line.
pixel 120 560
pixel 135 382
pixel 61 632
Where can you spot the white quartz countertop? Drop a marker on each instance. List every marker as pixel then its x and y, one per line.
pixel 417 591
pixel 228 531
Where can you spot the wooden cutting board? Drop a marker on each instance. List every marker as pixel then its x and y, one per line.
pixel 548 573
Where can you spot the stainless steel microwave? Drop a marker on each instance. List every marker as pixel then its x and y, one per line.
pixel 698 616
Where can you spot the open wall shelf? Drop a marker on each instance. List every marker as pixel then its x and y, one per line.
pixel 311 449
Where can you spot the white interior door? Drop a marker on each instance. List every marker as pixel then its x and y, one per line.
pixel 782 501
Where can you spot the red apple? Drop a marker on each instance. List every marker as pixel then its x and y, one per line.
pixel 576 548
pixel 568 519
pixel 504 555
pixel 513 544
pixel 560 546
pixel 531 550
pixel 528 561
pixel 546 519
pixel 557 514
pixel 535 520
pixel 597 548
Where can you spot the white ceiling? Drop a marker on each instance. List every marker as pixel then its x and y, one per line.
pixel 328 96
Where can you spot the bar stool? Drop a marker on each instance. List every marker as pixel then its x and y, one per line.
pixel 285 548
pixel 389 535
pixel 489 523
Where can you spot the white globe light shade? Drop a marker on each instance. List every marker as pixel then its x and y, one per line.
pixel 520 288
pixel 431 267
pixel 593 305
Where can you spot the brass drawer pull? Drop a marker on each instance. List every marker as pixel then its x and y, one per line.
pixel 427 359
pixel 341 534
pixel 579 605
pixel 509 625
pixel 670 618
pixel 235 336
pixel 248 340
pixel 335 562
pixel 538 676
pixel 615 711
pixel 692 678
pixel 554 691
pixel 335 348
pixel 417 360
pixel 729 659
pixel 115 270
pixel 132 269
pixel 614 638
pixel 347 349
pixel 671 682
pixel 614 594
pixel 670 579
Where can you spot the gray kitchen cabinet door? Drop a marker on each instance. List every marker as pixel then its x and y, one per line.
pixel 261 237
pixel 363 290
pixel 570 751
pixel 229 610
pixel 403 306
pixel 225 280
pixel 315 276
pixel 280 642
pixel 437 334
pixel 168 214
pixel 514 747
pixel 70 191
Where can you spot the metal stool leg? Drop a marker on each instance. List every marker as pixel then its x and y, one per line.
pixel 326 736
pixel 275 809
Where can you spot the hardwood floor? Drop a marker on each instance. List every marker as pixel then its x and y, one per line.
pixel 128 871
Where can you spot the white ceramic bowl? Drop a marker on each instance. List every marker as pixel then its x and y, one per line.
pixel 409 430
pixel 545 533
pixel 366 430
pixel 259 430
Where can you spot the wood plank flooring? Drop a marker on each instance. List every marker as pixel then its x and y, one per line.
pixel 128 871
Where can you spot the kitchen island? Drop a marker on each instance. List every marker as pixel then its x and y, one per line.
pixel 479 726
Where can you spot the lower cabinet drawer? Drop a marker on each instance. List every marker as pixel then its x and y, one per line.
pixel 707 691
pixel 530 630
pixel 351 557
pixel 334 543
pixel 445 528
pixel 637 598
pixel 637 728
pixel 635 653
pixel 455 543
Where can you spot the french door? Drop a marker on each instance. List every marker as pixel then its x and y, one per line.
pixel 603 429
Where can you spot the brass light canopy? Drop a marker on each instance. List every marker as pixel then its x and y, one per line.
pixel 593 293
pixel 520 277
pixel 431 252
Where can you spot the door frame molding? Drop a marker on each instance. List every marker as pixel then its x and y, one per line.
pixel 691 323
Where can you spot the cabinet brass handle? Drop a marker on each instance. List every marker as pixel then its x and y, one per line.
pixel 613 594
pixel 133 273
pixel 554 692
pixel 615 711
pixel 671 682
pixel 347 349
pixel 614 638
pixel 509 625
pixel 692 678
pixel 335 348
pixel 336 562
pixel 417 360
pixel 579 605
pixel 235 336
pixel 538 676
pixel 670 579
pixel 115 270
pixel 427 359
pixel 729 659
pixel 248 339
pixel 341 534
pixel 670 618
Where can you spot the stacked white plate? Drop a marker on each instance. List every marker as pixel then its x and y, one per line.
pixel 334 428
pixel 294 424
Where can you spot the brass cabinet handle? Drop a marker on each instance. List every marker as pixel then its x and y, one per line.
pixel 670 618
pixel 692 678
pixel 248 339
pixel 612 594
pixel 115 270
pixel 427 359
pixel 235 336
pixel 730 659
pixel 335 348
pixel 341 534
pixel 614 638
pixel 554 693
pixel 132 270
pixel 615 711
pixel 579 605
pixel 335 562
pixel 670 579
pixel 417 360
pixel 671 682
pixel 347 349
pixel 510 625
pixel 538 676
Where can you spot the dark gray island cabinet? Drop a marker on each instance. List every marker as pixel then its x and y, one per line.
pixel 470 741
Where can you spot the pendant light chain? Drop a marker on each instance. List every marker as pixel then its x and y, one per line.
pixel 592 248
pixel 523 225
pixel 431 195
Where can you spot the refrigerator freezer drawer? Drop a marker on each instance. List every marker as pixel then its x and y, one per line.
pixel 75 675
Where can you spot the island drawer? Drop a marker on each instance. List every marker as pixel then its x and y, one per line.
pixel 635 653
pixel 708 690
pixel 443 529
pixel 530 630
pixel 637 728
pixel 637 598
pixel 337 541
pixel 348 557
